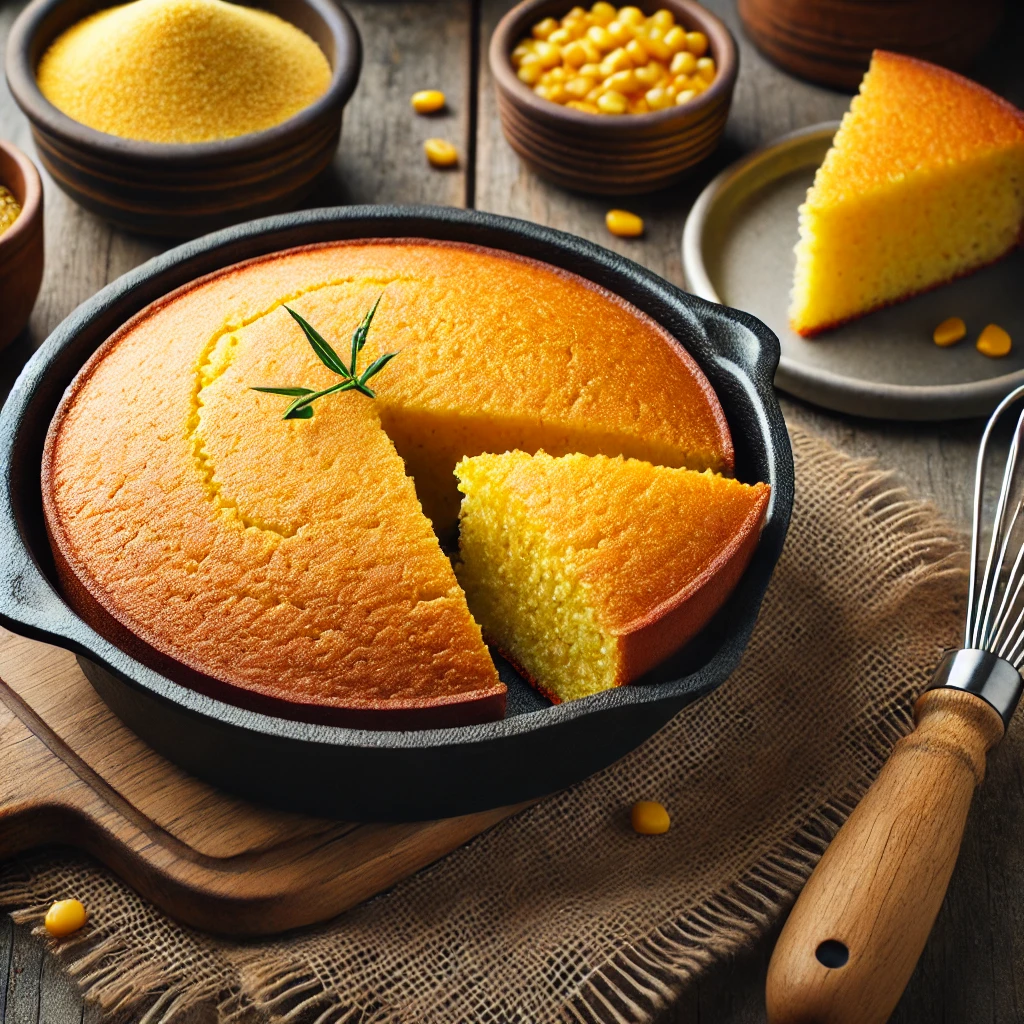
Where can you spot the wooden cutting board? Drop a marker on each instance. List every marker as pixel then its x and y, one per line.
pixel 71 773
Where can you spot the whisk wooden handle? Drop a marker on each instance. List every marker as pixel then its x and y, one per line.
pixel 861 922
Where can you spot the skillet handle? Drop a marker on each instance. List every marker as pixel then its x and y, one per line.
pixel 861 922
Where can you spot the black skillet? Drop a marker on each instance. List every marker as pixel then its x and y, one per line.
pixel 364 775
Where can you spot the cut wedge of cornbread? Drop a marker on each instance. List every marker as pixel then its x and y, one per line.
pixel 588 571
pixel 924 183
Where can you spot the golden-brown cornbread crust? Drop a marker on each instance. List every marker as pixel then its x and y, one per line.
pixel 150 364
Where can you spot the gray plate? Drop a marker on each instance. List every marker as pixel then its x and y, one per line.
pixel 738 250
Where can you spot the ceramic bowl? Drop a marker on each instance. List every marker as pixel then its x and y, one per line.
pixel 830 41
pixel 182 190
pixel 611 155
pixel 21 245
pixel 357 774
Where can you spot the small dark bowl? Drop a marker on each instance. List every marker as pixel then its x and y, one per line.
pixel 21 245
pixel 356 774
pixel 177 189
pixel 611 155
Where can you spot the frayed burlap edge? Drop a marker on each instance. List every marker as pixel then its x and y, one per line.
pixel 638 980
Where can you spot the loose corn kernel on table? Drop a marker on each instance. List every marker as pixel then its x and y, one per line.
pixel 968 972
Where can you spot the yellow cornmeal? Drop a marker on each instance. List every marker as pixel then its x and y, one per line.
pixel 10 209
pixel 182 71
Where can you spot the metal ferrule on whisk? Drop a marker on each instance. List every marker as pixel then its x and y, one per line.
pixel 990 663
pixel 984 674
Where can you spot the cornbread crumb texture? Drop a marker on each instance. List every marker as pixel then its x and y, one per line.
pixel 291 558
pixel 924 182
pixel 182 71
pixel 565 561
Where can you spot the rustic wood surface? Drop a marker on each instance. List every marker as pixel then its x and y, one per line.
pixel 972 970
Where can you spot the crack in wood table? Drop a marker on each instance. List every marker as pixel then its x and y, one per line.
pixel 972 970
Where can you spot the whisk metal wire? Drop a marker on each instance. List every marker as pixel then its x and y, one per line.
pixel 984 629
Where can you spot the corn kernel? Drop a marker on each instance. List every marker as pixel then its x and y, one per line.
pixel 521 51
pixel 574 54
pixel 441 153
pixel 594 95
pixel 675 39
pixel 624 224
pixel 64 917
pixel 600 38
pixel 658 99
pixel 949 332
pixel 637 52
pixel 561 37
pixel 544 28
pixel 555 92
pixel 529 73
pixel 994 342
pixel 650 74
pixel 579 86
pixel 576 14
pixel 586 108
pixel 685 96
pixel 631 15
pixel 654 43
pixel 593 51
pixel 603 13
pixel 559 74
pixel 621 81
pixel 638 105
pixel 663 19
pixel 683 63
pixel 549 55
pixel 698 84
pixel 612 102
pixel 697 43
pixel 427 101
pixel 617 60
pixel 706 68
pixel 591 71
pixel 620 32
pixel 649 818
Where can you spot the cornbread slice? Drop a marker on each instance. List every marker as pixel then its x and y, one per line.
pixel 287 565
pixel 588 571
pixel 924 183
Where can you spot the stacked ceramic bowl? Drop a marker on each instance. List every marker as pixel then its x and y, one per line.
pixel 611 155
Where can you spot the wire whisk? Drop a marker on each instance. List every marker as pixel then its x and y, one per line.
pixel 995 607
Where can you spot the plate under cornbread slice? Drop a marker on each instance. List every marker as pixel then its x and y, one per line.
pixel 588 571
pixel 287 565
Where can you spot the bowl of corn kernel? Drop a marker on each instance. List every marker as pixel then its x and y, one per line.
pixel 176 117
pixel 21 240
pixel 613 100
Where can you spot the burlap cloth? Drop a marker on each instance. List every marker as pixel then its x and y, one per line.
pixel 562 913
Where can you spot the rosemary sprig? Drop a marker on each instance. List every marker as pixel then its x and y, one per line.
pixel 302 406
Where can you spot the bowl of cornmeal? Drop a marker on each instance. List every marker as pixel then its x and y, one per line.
pixel 177 117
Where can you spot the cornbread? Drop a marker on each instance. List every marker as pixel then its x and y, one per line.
pixel 10 209
pixel 182 71
pixel 286 564
pixel 588 571
pixel 924 183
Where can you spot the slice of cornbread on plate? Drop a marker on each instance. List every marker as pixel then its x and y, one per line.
pixel 924 183
pixel 586 571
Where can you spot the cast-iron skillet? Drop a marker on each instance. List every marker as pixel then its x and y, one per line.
pixel 365 775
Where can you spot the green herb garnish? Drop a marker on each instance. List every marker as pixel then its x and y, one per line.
pixel 302 407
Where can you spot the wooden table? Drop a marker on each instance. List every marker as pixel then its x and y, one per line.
pixel 973 968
